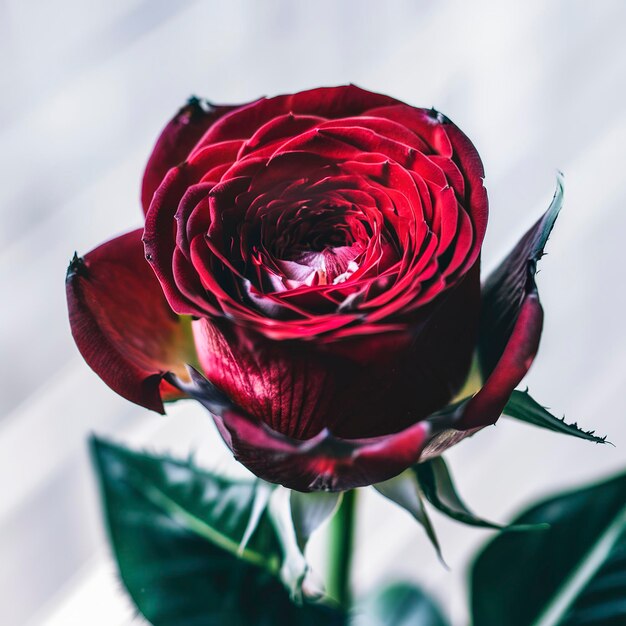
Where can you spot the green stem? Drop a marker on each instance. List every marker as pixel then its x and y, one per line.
pixel 340 550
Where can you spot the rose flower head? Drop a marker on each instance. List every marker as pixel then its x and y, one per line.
pixel 309 270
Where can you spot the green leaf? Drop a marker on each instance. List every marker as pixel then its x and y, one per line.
pixel 400 604
pixel 573 573
pixel 522 407
pixel 438 487
pixel 405 491
pixel 311 510
pixel 194 548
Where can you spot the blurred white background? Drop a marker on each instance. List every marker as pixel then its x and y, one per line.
pixel 86 88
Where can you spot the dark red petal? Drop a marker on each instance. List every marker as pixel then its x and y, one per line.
pixel 276 129
pixel 122 324
pixel 448 140
pixel 381 126
pixel 285 384
pixel 511 323
pixel 505 290
pixel 159 238
pixel 176 141
pixel 342 101
pixel 328 102
pixel 475 201
pixel 425 123
pixel 321 463
pixel 487 405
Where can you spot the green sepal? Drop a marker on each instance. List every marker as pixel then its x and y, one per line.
pixel 405 491
pixel 438 487
pixel 310 510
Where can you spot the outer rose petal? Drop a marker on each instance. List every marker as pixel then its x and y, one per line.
pixel 487 405
pixel 176 141
pixel 322 463
pixel 122 323
pixel 470 165
pixel 511 323
pixel 330 102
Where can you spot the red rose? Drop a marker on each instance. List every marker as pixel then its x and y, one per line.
pixel 326 245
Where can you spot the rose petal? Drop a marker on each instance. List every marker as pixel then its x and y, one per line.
pixel 425 123
pixel 176 141
pixel 287 386
pixel 159 237
pixel 487 405
pixel 475 201
pixel 511 323
pixel 122 323
pixel 321 463
pixel 278 128
pixel 328 102
pixel 506 289
pixel 382 126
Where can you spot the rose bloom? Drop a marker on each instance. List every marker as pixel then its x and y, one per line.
pixel 316 258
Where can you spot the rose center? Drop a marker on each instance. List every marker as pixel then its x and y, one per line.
pixel 317 245
pixel 330 265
